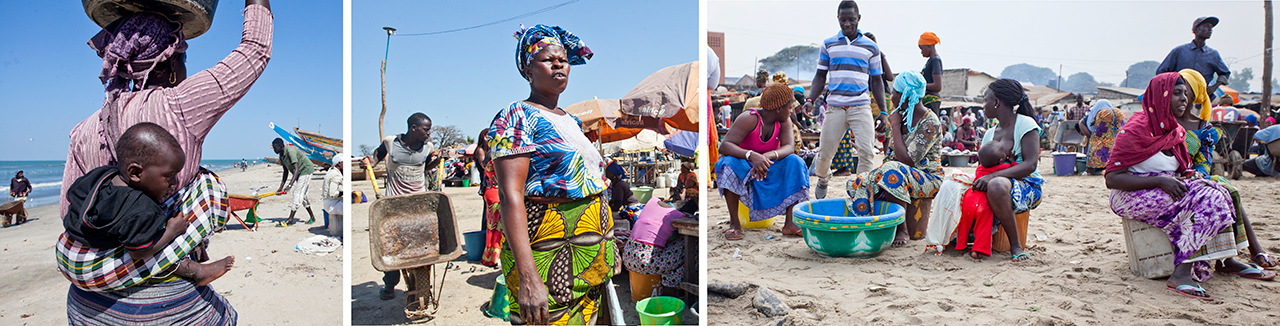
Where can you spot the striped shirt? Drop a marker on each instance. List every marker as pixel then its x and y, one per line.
pixel 849 65
pixel 188 110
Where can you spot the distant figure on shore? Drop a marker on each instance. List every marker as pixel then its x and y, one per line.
pixel 295 163
pixel 19 187
pixel 1196 55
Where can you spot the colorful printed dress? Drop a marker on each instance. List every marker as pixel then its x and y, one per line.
pixel 492 229
pixel 901 181
pixel 1106 124
pixel 1200 144
pixel 572 242
pixel 846 155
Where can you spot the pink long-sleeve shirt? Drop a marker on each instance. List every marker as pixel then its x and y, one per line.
pixel 188 111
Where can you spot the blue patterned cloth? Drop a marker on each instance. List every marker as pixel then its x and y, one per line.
pixel 563 162
pixel 786 184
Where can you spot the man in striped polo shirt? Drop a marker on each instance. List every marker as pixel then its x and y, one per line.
pixel 851 61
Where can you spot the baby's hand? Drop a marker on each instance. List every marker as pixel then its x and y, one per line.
pixel 177 223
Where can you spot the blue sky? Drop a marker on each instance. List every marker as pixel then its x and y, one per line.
pixel 50 77
pixel 464 78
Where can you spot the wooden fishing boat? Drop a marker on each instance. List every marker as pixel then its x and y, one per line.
pixel 318 140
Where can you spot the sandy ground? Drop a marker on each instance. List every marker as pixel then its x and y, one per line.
pixel 1078 276
pixel 271 284
pixel 467 286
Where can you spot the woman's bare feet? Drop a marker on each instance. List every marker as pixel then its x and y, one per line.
pixel 203 274
pixel 792 230
pixel 900 238
pixel 977 255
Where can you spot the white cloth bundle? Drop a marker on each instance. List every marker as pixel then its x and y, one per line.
pixel 946 210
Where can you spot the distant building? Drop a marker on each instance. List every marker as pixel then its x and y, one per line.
pixel 715 40
pixel 1118 93
pixel 964 83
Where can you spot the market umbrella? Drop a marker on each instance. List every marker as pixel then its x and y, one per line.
pixel 682 142
pixel 644 140
pixel 670 94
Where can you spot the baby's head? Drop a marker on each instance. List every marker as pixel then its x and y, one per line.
pixel 990 155
pixel 149 159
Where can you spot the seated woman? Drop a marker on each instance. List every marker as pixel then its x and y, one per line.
pixel 652 250
pixel 911 168
pixel 758 169
pixel 1148 172
pixel 966 136
pixel 1103 122
pixel 1200 139
pixel 1018 188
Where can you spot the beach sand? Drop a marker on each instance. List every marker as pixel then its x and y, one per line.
pixel 1078 276
pixel 285 287
pixel 467 288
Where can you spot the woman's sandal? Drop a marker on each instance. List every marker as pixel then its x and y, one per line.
pixel 1191 291
pixel 1020 257
pixel 1255 272
pixel 733 235
pixel 1265 261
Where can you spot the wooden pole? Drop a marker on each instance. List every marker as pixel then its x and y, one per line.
pixel 382 134
pixel 1265 106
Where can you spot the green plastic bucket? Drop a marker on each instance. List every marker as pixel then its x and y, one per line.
pixel 499 307
pixel 660 310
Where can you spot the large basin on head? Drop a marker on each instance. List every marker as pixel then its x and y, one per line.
pixel 196 15
pixel 832 230
pixel 414 230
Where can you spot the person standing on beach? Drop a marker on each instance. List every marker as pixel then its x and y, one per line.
pixel 296 163
pixel 19 186
pixel 852 61
pixel 407 156
pixel 932 72
pixel 145 78
pixel 1196 55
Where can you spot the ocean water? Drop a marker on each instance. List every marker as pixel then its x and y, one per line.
pixel 46 177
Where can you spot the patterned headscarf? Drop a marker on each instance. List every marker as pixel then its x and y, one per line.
pixel 1196 81
pixel 1093 112
pixel 540 36
pixel 132 46
pixel 911 84
pixel 780 78
pixel 1152 130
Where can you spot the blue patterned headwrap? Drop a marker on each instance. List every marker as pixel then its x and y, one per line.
pixel 534 39
pixel 911 84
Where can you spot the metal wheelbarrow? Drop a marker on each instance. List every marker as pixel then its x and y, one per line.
pixel 237 202
pixel 13 209
pixel 411 233
pixel 1232 149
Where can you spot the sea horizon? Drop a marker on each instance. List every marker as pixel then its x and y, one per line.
pixel 46 176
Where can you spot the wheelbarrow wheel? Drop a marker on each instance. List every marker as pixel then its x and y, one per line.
pixel 1217 168
pixel 8 219
pixel 1236 165
pixel 419 302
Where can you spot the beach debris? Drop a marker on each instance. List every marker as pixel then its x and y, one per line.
pixel 876 288
pixel 1041 237
pixel 248 273
pixel 989 283
pixel 1074 262
pixel 737 253
pixel 248 258
pixel 722 222
pixel 769 304
pixel 1035 308
pixel 731 290
pixel 27 315
pixel 769 237
pixel 319 245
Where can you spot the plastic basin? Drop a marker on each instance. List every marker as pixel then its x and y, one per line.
pixel 831 230
pixel 643 285
pixel 1064 164
pixel 642 193
pixel 660 311
pixel 475 245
